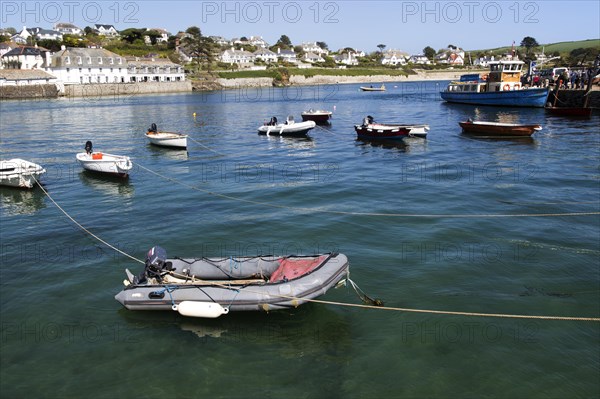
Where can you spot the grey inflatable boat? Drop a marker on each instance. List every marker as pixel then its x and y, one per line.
pixel 210 287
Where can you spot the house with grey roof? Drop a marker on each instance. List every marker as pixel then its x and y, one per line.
pixel 27 57
pixel 154 70
pixel 394 57
pixel 240 57
pixel 106 30
pixel 265 55
pixel 286 55
pixel 67 28
pixel 75 65
pixel 22 77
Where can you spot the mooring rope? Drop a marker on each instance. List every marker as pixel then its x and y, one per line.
pixel 83 228
pixel 344 304
pixel 321 210
pixel 202 145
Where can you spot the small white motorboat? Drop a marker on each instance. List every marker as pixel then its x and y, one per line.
pixel 93 161
pixel 166 139
pixel 19 173
pixel 289 128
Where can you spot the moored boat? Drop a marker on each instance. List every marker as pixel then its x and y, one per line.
pixel 166 139
pixel 317 116
pixel 19 173
pixel 576 112
pixel 373 130
pixel 371 88
pixel 497 129
pixel 289 128
pixel 93 161
pixel 210 287
pixel 501 87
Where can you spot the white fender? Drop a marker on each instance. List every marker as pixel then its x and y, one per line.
pixel 209 310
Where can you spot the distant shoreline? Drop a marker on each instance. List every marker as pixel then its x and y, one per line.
pixel 299 80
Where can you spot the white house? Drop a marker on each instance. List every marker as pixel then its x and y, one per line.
pixel 154 70
pixel 106 30
pixel 348 58
pixel 240 57
pixel 220 40
pixel 312 47
pixel 75 65
pixel 37 33
pixel 265 55
pixel 258 41
pixel 286 55
pixel 67 29
pixel 163 38
pixel 452 56
pixel 483 62
pixel 27 57
pixel 394 57
pixel 419 59
pixel 312 57
pixel 25 77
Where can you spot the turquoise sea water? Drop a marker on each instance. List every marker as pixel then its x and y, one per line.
pixel 64 335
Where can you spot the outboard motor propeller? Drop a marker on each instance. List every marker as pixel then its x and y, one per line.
pixel 88 147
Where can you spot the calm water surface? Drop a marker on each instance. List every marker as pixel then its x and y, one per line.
pixel 64 335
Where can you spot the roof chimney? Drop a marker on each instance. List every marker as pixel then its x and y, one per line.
pixel 278 50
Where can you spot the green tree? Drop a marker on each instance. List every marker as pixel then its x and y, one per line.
pixel 529 43
pixel 323 45
pixel 199 47
pixel 429 52
pixel 132 35
pixel 153 35
pixel 381 47
pixel 284 42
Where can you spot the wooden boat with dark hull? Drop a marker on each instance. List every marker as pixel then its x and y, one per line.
pixel 497 129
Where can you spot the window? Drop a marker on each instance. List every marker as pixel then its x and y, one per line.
pixel 67 60
pixel 111 61
pixel 79 61
pixel 89 60
pixel 68 70
pixel 99 60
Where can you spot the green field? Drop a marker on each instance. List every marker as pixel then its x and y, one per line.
pixel 561 47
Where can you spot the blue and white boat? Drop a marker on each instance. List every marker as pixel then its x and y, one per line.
pixel 501 87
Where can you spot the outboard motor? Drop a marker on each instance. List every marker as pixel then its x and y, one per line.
pixel 156 265
pixel 153 128
pixel 88 147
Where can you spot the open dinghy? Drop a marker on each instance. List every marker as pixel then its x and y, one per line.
pixel 210 287
pixel 166 139
pixel 19 173
pixel 119 165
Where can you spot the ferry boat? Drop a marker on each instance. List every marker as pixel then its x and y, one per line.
pixel 501 87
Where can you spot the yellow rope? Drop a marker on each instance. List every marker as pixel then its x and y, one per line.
pixel 408 215
pixel 353 305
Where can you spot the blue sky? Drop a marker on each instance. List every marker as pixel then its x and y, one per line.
pixel 404 25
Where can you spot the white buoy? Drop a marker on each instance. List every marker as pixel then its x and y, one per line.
pixel 209 310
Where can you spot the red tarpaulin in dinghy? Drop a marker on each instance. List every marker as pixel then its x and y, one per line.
pixel 293 268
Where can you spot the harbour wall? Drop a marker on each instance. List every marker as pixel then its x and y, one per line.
pixel 17 92
pixel 54 90
pixel 126 89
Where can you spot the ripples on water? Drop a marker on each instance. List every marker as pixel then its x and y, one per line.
pixel 61 324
